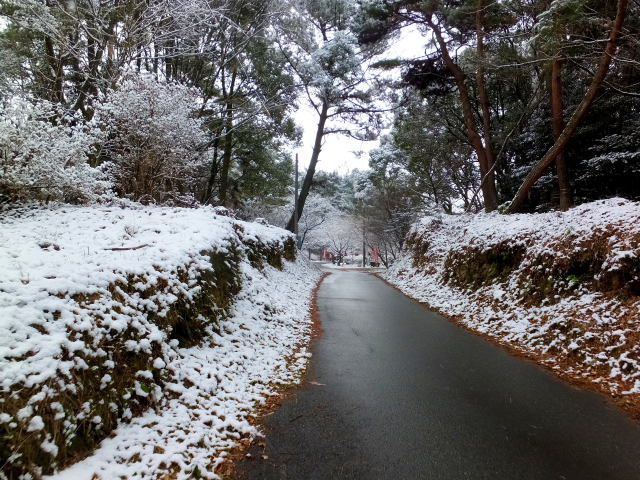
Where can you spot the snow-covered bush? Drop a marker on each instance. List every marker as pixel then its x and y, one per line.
pixel 154 143
pixel 45 154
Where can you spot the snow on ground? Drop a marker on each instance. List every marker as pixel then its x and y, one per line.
pixel 581 325
pixel 217 383
pixel 62 299
pixel 48 256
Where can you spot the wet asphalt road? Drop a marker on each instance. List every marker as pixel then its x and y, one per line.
pixel 408 395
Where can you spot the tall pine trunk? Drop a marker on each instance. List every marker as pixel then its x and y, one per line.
pixel 473 137
pixel 483 100
pixel 213 171
pixel 557 120
pixel 228 139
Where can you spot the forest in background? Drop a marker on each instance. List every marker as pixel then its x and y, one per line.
pixel 525 105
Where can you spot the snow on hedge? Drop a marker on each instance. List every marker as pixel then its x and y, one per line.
pixel 49 160
pixel 562 286
pixel 90 301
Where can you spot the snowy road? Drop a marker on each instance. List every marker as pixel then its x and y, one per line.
pixel 405 394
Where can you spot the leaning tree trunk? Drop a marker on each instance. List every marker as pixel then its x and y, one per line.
pixel 308 178
pixel 557 121
pixel 588 99
pixel 473 137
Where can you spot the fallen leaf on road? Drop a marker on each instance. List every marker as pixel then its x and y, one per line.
pixel 316 383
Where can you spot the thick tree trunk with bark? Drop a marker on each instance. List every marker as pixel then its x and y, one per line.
pixel 588 99
pixel 473 137
pixel 557 120
pixel 315 155
pixel 56 67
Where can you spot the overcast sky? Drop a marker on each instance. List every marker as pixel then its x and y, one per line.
pixel 341 153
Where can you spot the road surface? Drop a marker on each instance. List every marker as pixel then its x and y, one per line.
pixel 406 394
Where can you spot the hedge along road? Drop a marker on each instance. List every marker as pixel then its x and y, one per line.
pixel 405 394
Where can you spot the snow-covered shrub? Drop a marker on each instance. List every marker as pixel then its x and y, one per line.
pixel 45 154
pixel 154 143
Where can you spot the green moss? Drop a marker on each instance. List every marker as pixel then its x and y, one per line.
pixel 76 432
pixel 273 254
pixel 573 279
pixel 624 280
pixel 556 275
pixel 473 267
pixel 419 248
pixel 219 285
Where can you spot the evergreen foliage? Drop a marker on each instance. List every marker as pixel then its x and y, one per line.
pixel 192 101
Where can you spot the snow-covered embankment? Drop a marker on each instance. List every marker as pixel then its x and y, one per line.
pixel 563 288
pixel 161 328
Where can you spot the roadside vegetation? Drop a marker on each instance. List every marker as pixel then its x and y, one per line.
pixel 139 140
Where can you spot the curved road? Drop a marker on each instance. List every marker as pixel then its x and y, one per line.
pixel 408 395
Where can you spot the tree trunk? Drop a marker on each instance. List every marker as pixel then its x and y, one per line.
pixel 57 71
pixel 213 171
pixel 56 67
pixel 308 178
pixel 483 99
pixel 156 54
pixel 588 99
pixel 558 124
pixel 228 140
pixel 488 187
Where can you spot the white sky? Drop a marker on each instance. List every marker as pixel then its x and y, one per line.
pixel 339 152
